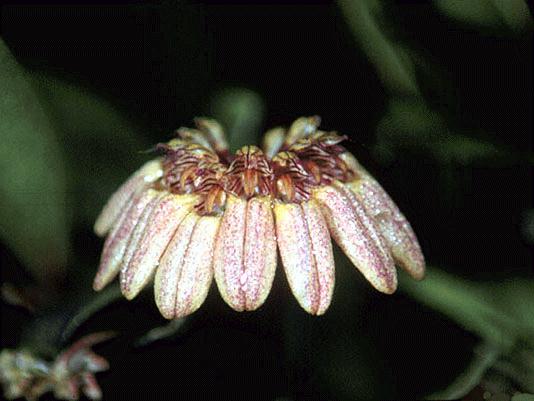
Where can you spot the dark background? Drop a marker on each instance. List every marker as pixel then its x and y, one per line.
pixel 161 64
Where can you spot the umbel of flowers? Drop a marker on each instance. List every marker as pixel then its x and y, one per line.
pixel 198 213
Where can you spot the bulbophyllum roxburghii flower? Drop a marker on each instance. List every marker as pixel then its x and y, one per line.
pixel 198 212
pixel 24 375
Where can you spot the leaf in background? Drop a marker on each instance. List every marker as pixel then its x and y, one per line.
pixel 241 112
pixel 33 197
pixel 523 397
pixel 502 314
pixel 488 13
pixel 468 304
pixel 394 67
pixel 412 125
pixel 102 146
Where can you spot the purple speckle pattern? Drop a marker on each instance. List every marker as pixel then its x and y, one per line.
pixel 185 272
pixel 164 219
pixel 306 252
pixel 245 253
pixel 396 230
pixel 115 244
pixel 357 235
pixel 116 204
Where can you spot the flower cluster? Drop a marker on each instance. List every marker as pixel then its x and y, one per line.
pixel 198 212
pixel 24 375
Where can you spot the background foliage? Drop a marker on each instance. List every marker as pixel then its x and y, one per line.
pixel 436 100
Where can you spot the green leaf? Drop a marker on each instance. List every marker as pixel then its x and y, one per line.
pixel 102 146
pixel 241 112
pixel 468 304
pixel 394 67
pixel 32 176
pixel 409 124
pixel 523 397
pixel 488 13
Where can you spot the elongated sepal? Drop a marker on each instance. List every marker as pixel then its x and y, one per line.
pixel 396 230
pixel 167 214
pixel 306 252
pixel 116 242
pixel 357 235
pixel 186 269
pixel 148 173
pixel 245 253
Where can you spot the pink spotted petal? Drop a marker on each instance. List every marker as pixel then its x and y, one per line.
pixel 116 242
pixel 393 225
pixel 245 253
pixel 186 270
pixel 161 225
pixel 357 235
pixel 306 252
pixel 139 230
pixel 114 207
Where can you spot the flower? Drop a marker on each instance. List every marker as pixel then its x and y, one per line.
pixel 24 375
pixel 198 213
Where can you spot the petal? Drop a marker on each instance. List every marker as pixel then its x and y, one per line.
pixel 306 252
pixel 117 240
pixel 162 223
pixel 396 230
pixel 301 128
pixel 139 230
pixel 358 236
pixel 245 253
pixel 148 173
pixel 273 141
pixel 186 270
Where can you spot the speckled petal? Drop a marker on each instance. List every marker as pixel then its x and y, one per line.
pixel 259 254
pixel 148 173
pixel 162 223
pixel 306 252
pixel 117 240
pixel 245 253
pixel 357 235
pixel 139 230
pixel 186 270
pixel 393 225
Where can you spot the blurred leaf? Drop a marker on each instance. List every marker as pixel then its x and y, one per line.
pixel 241 112
pixel 488 13
pixel 102 146
pixel 485 358
pixel 32 176
pixel 500 313
pixel 410 124
pixel 523 397
pixel 393 65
